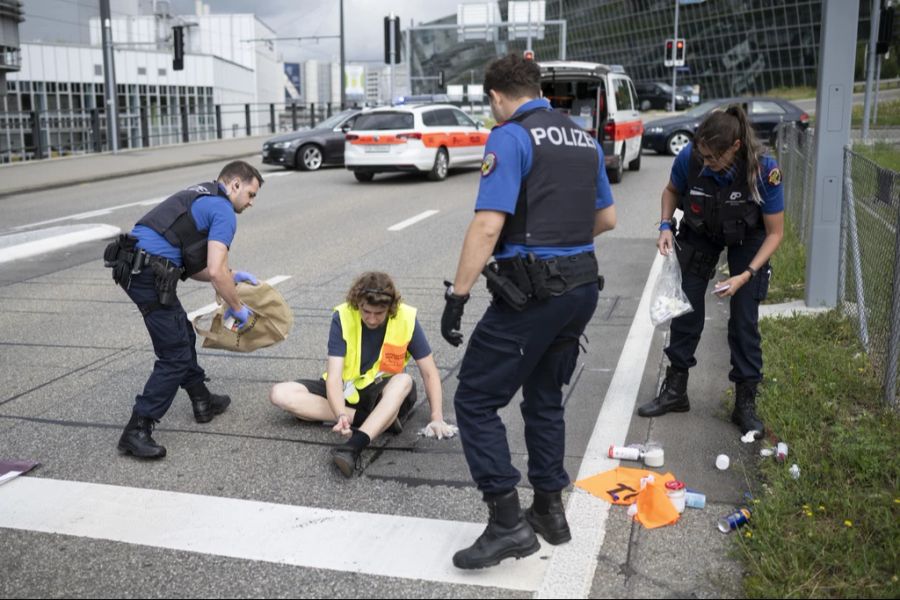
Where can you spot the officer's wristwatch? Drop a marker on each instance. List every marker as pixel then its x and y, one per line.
pixel 752 271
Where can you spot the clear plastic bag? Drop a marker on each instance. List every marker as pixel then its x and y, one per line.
pixel 669 300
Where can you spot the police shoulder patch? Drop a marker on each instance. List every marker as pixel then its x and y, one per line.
pixel 775 177
pixel 488 164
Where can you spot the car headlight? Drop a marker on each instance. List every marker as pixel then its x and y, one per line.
pixel 655 130
pixel 282 145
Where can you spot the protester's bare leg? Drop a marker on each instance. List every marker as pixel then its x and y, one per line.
pixel 297 400
pixel 396 390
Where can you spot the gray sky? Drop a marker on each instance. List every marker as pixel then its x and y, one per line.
pixel 66 20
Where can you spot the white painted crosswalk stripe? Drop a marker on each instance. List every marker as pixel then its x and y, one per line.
pixel 376 544
pixel 54 239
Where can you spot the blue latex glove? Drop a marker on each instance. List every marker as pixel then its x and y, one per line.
pixel 240 276
pixel 242 316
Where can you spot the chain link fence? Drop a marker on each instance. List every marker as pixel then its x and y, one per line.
pixel 869 269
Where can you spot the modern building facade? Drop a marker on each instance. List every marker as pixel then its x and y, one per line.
pixel 228 66
pixel 734 47
pixel 10 55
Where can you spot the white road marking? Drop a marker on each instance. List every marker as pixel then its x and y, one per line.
pixel 67 236
pixel 204 310
pixel 376 544
pixel 572 566
pixel 90 214
pixel 277 174
pixel 413 220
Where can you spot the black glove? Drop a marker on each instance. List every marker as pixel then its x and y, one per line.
pixel 452 318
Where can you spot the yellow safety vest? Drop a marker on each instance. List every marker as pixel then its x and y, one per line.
pixel 394 350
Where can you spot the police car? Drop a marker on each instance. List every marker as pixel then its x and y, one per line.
pixel 601 99
pixel 423 138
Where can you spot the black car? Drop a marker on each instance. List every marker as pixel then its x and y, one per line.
pixel 659 95
pixel 309 149
pixel 671 134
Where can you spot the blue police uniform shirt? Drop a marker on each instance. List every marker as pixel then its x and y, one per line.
pixel 213 213
pixel 372 340
pixel 768 183
pixel 499 188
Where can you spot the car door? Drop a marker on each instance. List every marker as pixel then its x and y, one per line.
pixel 627 119
pixel 334 140
pixel 473 138
pixel 766 116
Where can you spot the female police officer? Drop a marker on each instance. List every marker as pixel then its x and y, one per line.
pixel 731 197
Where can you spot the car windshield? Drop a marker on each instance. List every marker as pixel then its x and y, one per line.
pixel 701 109
pixel 334 120
pixel 384 120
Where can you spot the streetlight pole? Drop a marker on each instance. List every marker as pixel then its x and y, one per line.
pixel 674 52
pixel 109 79
pixel 343 86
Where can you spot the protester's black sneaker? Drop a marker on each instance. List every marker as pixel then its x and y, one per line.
pixel 346 459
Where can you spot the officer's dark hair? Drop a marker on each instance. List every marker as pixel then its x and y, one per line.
pixel 242 170
pixel 513 76
pixel 375 289
pixel 719 131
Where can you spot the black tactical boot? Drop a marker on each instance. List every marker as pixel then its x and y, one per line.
pixel 744 413
pixel 507 535
pixel 136 438
pixel 405 409
pixel 206 404
pixel 672 395
pixel 547 517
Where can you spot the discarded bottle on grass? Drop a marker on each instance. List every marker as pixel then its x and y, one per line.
pixel 781 451
pixel 736 519
pixel 794 471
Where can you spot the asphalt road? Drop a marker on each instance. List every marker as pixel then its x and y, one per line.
pixel 74 353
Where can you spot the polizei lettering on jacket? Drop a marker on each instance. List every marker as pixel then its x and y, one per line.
pixel 562 136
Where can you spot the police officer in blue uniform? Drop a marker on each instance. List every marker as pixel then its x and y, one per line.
pixel 731 196
pixel 187 235
pixel 544 196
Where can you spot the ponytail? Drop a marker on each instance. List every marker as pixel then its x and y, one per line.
pixel 720 130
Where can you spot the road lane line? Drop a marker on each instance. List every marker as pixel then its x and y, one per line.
pixel 203 310
pixel 89 214
pixel 316 538
pixel 413 220
pixel 572 566
pixel 73 235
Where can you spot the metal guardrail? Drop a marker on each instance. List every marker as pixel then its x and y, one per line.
pixel 869 269
pixel 34 135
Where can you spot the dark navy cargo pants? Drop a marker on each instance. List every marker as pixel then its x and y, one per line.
pixel 535 350
pixel 744 340
pixel 174 343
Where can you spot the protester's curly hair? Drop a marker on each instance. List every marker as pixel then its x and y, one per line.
pixel 375 289
pixel 513 76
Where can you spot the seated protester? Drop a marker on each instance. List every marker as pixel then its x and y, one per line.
pixel 365 389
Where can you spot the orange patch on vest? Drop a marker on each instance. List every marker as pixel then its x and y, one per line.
pixel 392 358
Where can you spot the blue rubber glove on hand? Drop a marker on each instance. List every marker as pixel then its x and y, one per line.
pixel 240 276
pixel 242 316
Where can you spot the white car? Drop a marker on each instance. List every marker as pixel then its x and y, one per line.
pixel 424 138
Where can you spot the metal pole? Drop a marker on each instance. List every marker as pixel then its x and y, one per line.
pixel 409 56
pixel 563 41
pixel 271 118
pixel 870 67
pixel 528 47
pixel 109 79
pixel 247 119
pixel 674 52
pixel 343 85
pixel 890 378
pixel 218 121
pixel 294 116
pixel 391 45
pixel 877 86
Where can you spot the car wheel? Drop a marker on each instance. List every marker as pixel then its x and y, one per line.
pixel 645 105
pixel 615 176
pixel 677 141
pixel 635 165
pixel 363 176
pixel 309 157
pixel 441 165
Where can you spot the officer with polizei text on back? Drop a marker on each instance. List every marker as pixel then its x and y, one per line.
pixel 731 197
pixel 543 197
pixel 187 235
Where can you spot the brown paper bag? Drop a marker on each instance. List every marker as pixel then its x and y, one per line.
pixel 270 323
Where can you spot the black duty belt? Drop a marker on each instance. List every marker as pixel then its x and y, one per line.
pixel 520 279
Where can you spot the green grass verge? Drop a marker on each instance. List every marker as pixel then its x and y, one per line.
pixel 881 153
pixel 792 93
pixel 788 268
pixel 888 114
pixel 835 531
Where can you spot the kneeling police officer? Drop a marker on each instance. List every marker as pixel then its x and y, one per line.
pixel 187 235
pixel 543 197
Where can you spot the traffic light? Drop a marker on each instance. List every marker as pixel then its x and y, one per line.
pixel 178 45
pixel 885 31
pixel 528 54
pixel 670 53
pixel 679 52
pixel 391 51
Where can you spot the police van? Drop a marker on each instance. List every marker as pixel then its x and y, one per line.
pixel 601 99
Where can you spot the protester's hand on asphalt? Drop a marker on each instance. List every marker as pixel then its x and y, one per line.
pixel 440 430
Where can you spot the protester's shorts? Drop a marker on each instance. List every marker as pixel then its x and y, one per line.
pixel 369 397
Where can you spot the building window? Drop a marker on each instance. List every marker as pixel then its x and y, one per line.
pixel 98 70
pixel 142 70
pixel 161 72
